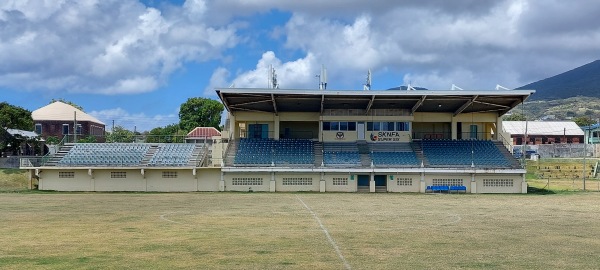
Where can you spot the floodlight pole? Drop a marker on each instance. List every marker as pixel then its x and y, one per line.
pixel 584 155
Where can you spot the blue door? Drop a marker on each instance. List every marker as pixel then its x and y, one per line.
pixel 380 180
pixel 363 180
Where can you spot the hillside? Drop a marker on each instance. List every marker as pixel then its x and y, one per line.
pixel 561 109
pixel 581 81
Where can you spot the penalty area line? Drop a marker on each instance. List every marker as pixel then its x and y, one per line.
pixel 329 238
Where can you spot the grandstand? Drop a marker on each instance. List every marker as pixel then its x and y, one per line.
pixel 316 140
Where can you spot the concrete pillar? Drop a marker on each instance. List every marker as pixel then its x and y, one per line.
pixel 473 184
pixel 322 183
pixel 372 183
pixel 498 130
pixel 453 128
pixel 422 182
pixel 222 182
pixel 272 182
pixel 524 185
pixel 233 127
pixel 276 127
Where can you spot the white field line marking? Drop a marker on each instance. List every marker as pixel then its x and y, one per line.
pixel 329 238
pixel 164 217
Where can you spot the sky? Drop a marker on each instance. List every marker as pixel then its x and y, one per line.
pixel 135 62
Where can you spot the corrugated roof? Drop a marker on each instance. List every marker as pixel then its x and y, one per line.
pixel 203 132
pixel 23 133
pixel 555 128
pixel 60 111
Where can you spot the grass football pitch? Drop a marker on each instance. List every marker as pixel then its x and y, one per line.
pixel 53 230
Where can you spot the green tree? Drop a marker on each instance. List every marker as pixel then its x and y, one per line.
pixel 15 117
pixel 168 134
pixel 67 102
pixel 583 121
pixel 52 140
pixel 515 117
pixel 200 112
pixel 88 139
pixel 120 134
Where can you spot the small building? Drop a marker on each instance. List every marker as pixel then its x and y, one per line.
pixel 202 135
pixel 59 119
pixel 19 142
pixel 592 134
pixel 543 132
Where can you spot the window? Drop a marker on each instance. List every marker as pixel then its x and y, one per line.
pixel 65 129
pixel 66 174
pixel 246 181
pixel 38 129
pixel 170 174
pixel 335 125
pixel 297 181
pixel 387 126
pixel 340 181
pixel 404 181
pixel 339 126
pixel 118 174
pixel 498 182
pixel 473 132
pixel 344 126
pixel 78 129
pixel 352 126
pixel 448 182
pixel 403 126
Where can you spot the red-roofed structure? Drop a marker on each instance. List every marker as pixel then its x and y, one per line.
pixel 202 134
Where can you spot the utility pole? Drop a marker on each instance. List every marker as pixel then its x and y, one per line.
pixel 74 126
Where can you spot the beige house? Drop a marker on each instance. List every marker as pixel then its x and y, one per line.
pixel 59 119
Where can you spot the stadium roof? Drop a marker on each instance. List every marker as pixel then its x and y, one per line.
pixel 302 100
pixel 557 128
pixel 59 111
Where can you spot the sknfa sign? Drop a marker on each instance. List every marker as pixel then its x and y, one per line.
pixel 386 136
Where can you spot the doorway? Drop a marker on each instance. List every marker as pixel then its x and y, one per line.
pixel 360 128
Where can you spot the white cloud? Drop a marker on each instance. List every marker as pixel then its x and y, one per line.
pixel 293 74
pixel 474 43
pixel 134 121
pixel 109 47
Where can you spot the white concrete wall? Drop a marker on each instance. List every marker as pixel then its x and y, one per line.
pixel 515 188
pixel 330 187
pixel 279 182
pixel 264 186
pixel 392 183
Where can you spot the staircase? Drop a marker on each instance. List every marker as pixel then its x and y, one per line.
pixel 514 162
pixel 318 151
pixel 151 151
pixel 198 155
pixel 230 152
pixel 364 150
pixel 416 147
pixel 62 152
pixel 380 189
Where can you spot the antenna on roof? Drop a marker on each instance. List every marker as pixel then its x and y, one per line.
pixel 232 85
pixel 500 87
pixel 323 78
pixel 454 87
pixel 272 78
pixel 410 88
pixel 367 85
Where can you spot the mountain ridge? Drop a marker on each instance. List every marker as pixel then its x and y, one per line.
pixel 580 81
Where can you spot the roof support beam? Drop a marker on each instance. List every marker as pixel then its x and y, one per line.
pixel 370 104
pixel 466 105
pixel 224 101
pixel 322 103
pixel 418 104
pixel 252 102
pixel 492 104
pixel 274 104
